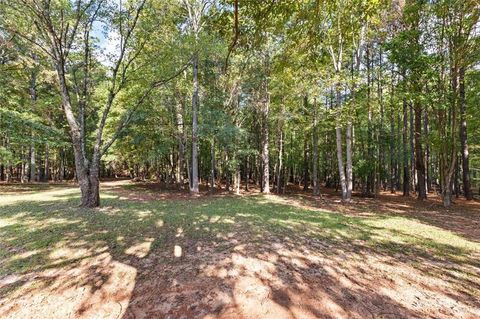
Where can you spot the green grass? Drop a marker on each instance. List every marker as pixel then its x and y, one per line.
pixel 46 229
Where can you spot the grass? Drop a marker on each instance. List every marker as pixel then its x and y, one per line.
pixel 35 225
pixel 43 229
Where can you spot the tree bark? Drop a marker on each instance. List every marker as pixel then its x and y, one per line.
pixel 33 99
pixel 392 143
pixel 305 163
pixel 179 109
pixel 349 169
pixel 46 174
pixel 419 154
pixel 33 169
pixel 413 175
pixel 90 186
pixel 381 152
pixel 247 172
pixel 428 172
pixel 280 162
pixel 467 190
pixel 338 133
pixel 194 187
pixel 212 168
pixel 316 184
pixel 265 154
pixel 406 171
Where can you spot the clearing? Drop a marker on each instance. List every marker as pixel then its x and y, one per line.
pixel 149 253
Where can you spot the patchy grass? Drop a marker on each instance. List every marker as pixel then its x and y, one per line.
pixel 130 253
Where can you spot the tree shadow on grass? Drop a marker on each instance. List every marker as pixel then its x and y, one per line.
pixel 222 258
pixel 462 218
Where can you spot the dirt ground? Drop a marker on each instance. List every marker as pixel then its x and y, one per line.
pixel 265 274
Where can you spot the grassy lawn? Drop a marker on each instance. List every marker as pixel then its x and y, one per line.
pixel 225 257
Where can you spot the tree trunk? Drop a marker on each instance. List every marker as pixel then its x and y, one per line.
pixel 87 176
pixel 413 180
pixel 179 110
pixel 265 154
pixel 341 172
pixel 428 171
pixel 406 171
pixel 247 173
pixel 24 177
pixel 194 187
pixel 316 184
pixel 467 190
pixel 61 173
pixel 305 163
pixel 90 188
pixel 381 155
pixel 338 134
pixel 33 99
pixel 369 156
pixel 237 180
pixel 227 173
pixel 447 181
pixel 265 116
pixel 392 146
pixel 33 169
pixel 419 155
pixel 212 168
pixel 349 170
pixel 280 162
pixel 46 173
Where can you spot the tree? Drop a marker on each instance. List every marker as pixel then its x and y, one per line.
pixel 61 28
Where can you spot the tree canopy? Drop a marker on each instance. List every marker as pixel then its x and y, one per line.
pixel 357 95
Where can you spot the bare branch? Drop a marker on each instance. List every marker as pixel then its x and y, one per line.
pixel 137 104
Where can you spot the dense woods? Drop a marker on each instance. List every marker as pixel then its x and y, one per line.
pixel 358 95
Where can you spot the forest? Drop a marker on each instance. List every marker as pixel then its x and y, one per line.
pixel 126 109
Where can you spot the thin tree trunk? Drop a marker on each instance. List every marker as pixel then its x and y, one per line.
pixel 46 173
pixel 338 133
pixel 370 177
pixel 316 184
pixel 33 169
pixel 265 116
pixel 392 143
pixel 8 177
pixel 265 154
pixel 238 178
pixel 381 152
pixel 212 168
pixel 467 190
pixel 406 171
pixel 413 180
pixel 194 187
pixel 428 171
pixel 349 169
pixel 33 98
pixel 61 173
pixel 280 162
pixel 305 163
pixel 247 173
pixel 24 176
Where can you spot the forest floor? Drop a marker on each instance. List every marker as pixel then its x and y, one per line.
pixel 151 252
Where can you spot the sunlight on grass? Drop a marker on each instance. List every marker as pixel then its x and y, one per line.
pixel 57 195
pixel 409 231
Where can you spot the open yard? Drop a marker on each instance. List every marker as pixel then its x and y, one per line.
pixel 148 253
